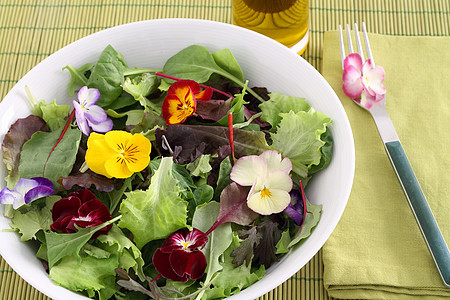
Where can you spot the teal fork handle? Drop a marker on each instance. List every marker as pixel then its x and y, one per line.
pixel 421 209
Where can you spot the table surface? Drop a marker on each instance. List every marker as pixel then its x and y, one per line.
pixel 31 30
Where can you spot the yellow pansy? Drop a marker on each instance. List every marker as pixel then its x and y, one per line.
pixel 117 153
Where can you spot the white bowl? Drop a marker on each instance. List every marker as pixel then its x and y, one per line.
pixel 149 44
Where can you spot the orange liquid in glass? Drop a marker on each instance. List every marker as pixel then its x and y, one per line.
pixel 286 21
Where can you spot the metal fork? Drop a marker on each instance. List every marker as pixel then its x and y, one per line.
pixel 408 180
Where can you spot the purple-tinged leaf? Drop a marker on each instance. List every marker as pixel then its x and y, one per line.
pixel 19 132
pixel 233 207
pixel 244 252
pixel 265 251
pixel 86 180
pixel 213 109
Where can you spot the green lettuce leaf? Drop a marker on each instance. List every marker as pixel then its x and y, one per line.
pixel 201 166
pixel 129 255
pixel 298 137
pixel 53 114
pixel 60 245
pixel 33 159
pixel 157 212
pixel 279 103
pixel 233 279
pixel 312 218
pixel 86 274
pixel 30 222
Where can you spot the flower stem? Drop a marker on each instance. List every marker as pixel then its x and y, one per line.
pixel 202 85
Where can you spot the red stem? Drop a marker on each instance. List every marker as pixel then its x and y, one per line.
pixel 69 120
pixel 231 136
pixel 304 207
pixel 204 86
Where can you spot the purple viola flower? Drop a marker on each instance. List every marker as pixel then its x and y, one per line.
pixel 90 116
pixel 295 209
pixel 26 191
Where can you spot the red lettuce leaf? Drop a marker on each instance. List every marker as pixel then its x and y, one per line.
pixel 233 207
pixel 244 252
pixel 265 251
pixel 86 180
pixel 213 109
pixel 207 140
pixel 19 133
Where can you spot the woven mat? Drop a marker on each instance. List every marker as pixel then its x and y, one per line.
pixel 31 30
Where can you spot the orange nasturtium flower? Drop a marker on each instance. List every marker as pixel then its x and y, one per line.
pixel 117 153
pixel 181 100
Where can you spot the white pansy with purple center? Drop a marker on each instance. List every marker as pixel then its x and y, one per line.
pixel 90 116
pixel 26 191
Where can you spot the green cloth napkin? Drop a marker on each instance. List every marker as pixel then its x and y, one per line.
pixel 377 250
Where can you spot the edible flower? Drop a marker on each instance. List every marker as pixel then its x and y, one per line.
pixel 26 190
pixel 362 82
pixel 295 209
pixel 181 100
pixel 117 153
pixel 90 116
pixel 179 258
pixel 80 208
pixel 268 176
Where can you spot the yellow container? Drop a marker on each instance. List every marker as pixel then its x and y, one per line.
pixel 286 21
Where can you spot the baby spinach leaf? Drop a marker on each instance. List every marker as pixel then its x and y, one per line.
pixel 225 59
pixel 33 160
pixel 108 75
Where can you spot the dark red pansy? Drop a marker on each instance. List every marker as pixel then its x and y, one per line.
pixel 81 208
pixel 179 258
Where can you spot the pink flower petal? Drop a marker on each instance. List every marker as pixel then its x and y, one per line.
pixel 352 84
pixel 354 60
pixel 376 77
pixel 367 100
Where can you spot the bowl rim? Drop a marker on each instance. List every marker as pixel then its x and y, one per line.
pixel 21 270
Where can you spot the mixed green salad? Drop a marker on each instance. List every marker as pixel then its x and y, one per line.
pixel 181 182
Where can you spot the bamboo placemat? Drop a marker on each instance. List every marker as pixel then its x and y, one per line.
pixel 31 30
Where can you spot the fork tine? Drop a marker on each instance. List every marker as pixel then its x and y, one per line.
pixel 368 50
pixel 358 42
pixel 349 40
pixel 341 43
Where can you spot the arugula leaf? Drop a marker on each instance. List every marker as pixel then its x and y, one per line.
pixel 33 159
pixel 60 245
pixel 78 77
pixel 280 103
pixel 265 250
pixel 244 253
pixel 303 131
pixel 19 133
pixel 156 212
pixel 108 75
